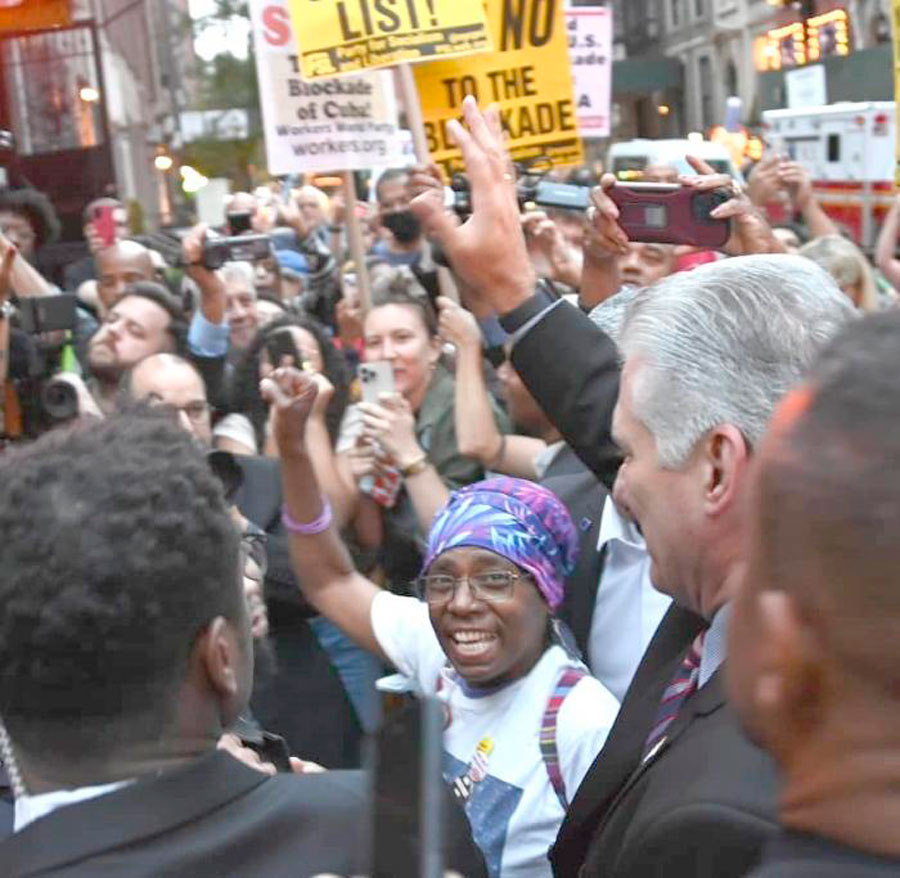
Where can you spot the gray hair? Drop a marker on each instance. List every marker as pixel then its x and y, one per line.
pixel 723 343
pixel 241 272
pixel 609 315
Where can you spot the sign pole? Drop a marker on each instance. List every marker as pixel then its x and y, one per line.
pixel 410 97
pixel 895 10
pixel 354 236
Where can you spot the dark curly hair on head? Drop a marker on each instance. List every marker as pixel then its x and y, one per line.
pixel 246 398
pixel 117 551
pixel 37 209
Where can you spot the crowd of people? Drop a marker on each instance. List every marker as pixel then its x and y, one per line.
pixel 623 509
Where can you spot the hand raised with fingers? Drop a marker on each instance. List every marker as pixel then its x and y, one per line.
pixel 488 250
pixel 750 232
pixel 391 425
pixel 798 182
pixel 425 178
pixel 457 325
pixel 291 395
pixel 603 237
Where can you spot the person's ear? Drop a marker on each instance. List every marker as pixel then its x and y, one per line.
pixel 725 462
pixel 786 691
pixel 220 651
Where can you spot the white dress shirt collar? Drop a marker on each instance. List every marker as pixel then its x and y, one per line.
pixel 615 526
pixel 30 808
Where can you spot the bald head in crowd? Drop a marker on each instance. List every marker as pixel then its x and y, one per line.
pixel 170 380
pixel 126 262
pixel 816 627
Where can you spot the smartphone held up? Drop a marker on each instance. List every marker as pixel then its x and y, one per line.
pixel 667 213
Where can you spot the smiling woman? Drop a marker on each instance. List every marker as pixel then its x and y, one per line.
pixel 524 718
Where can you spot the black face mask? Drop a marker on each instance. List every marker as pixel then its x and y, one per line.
pixel 404 225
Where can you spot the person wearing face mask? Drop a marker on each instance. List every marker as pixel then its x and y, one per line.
pixel 523 717
pixel 401 240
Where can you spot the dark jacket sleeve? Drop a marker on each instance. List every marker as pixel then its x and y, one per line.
pixel 571 368
pixel 701 840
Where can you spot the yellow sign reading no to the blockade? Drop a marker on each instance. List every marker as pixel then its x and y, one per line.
pixel 341 36
pixel 528 75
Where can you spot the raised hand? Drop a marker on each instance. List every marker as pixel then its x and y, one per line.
pixel 391 425
pixel 488 250
pixel 751 233
pixel 458 326
pixel 291 395
pixel 604 237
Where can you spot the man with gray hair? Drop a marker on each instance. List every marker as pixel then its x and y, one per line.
pixel 677 789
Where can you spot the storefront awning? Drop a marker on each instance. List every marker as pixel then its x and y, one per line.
pixel 645 75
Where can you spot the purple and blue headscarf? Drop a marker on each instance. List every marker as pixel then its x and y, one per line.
pixel 520 520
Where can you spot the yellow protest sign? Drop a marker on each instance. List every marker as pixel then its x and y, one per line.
pixel 529 77
pixel 341 36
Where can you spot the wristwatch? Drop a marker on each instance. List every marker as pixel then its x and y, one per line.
pixel 7 309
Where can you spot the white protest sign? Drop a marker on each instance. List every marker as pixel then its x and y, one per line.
pixel 344 124
pixel 589 29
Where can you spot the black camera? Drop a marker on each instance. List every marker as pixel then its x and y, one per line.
pixel 532 190
pixel 244 248
pixel 60 400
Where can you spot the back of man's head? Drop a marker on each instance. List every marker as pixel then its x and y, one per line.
pixel 723 344
pixel 827 507
pixel 118 559
pixel 814 667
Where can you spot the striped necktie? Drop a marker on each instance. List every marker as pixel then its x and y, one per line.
pixel 683 684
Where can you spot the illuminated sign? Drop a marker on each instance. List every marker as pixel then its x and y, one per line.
pixel 828 35
pixel 799 42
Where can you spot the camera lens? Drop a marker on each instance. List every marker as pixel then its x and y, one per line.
pixel 60 400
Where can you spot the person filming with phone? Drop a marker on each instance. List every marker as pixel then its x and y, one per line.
pixel 402 449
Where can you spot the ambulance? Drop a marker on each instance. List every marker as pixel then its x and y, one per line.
pixel 851 151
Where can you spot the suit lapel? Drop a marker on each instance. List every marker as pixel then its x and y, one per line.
pixel 128 815
pixel 621 754
pixel 702 703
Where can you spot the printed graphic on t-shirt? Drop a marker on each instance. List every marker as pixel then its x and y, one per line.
pixel 489 807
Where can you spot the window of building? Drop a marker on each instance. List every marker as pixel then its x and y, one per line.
pixel 677 12
pixel 699 8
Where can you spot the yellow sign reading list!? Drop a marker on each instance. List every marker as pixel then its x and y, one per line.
pixel 342 36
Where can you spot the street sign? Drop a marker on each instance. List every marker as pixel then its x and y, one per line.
pixel 349 123
pixel 342 36
pixel 806 87
pixel 529 77
pixel 589 30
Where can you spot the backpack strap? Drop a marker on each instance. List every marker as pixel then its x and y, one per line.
pixel 549 752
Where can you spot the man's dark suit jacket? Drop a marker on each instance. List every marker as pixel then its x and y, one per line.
pixel 216 817
pixel 6 804
pixel 704 803
pixel 796 855
pixel 304 701
pixel 584 497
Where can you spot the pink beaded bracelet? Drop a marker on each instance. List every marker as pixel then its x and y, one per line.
pixel 322 523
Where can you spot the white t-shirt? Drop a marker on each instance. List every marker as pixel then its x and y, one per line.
pixel 514 811
pixel 238 428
